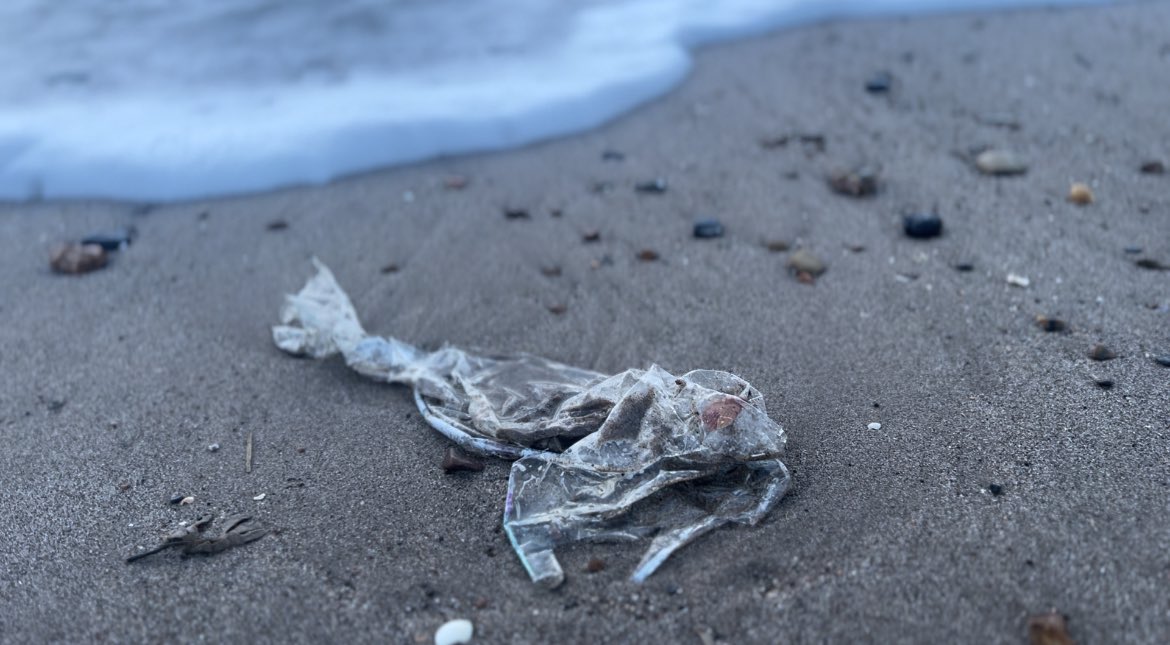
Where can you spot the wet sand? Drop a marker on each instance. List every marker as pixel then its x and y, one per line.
pixel 123 377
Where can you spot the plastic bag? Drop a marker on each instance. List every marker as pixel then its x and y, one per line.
pixel 637 454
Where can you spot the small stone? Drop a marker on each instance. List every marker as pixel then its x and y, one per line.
pixel 1153 168
pixel 922 226
pixel 995 489
pixel 964 267
pixel 708 228
pixel 804 277
pixel 551 271
pixel 1102 353
pixel 1000 162
pixel 260 497
pixel 656 186
pixel 1104 383
pixel 858 182
pixel 213 447
pixel 1049 629
pixel 595 565
pixel 455 632
pixel 300 451
pixel 647 255
pixel 77 258
pixel 1132 250
pixel 612 155
pixel 455 182
pixel 803 260
pixel 516 213
pixel 112 241
pixel 879 83
pixel 1163 360
pixel 777 246
pixel 1017 280
pixel 874 426
pixel 187 501
pixel 455 460
pixel 480 603
pixel 593 235
pixel 389 268
pixel 177 499
pixel 277 225
pixel 124 486
pixel 1080 194
pixel 558 309
pixel 1051 325
pixel 1151 264
pixel 855 248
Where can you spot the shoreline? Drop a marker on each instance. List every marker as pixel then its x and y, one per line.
pixel 127 374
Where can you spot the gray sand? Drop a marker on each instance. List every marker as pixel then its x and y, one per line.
pixel 887 536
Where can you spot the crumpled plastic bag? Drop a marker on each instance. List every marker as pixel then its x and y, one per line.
pixel 637 454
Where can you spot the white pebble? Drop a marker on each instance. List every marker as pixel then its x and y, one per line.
pixel 186 500
pixel 454 632
pixel 260 496
pixel 213 447
pixel 875 426
pixel 1018 280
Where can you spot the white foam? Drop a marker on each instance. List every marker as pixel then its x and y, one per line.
pixel 162 100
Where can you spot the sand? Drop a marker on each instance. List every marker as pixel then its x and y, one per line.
pixel 126 375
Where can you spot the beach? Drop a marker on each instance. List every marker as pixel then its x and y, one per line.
pixel 116 382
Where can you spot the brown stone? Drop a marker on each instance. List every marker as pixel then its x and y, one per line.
pixel 1049 629
pixel 1080 194
pixel 77 258
pixel 455 460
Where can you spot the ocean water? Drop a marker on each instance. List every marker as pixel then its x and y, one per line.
pixel 167 100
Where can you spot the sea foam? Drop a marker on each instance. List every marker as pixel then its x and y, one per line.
pixel 158 100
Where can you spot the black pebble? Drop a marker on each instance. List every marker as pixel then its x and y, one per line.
pixel 454 460
pixel 922 226
pixel 964 267
pixel 1163 360
pixel 112 241
pixel 995 489
pixel 707 228
pixel 177 499
pixel 516 213
pixel 1104 383
pixel 879 83
pixel 656 186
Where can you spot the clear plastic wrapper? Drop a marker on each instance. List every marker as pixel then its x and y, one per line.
pixel 638 454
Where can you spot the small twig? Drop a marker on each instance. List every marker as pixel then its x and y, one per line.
pixel 248 455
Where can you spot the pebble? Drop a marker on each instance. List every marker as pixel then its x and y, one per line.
pixel 260 497
pixel 1153 168
pixel 859 182
pixel 803 261
pixel 656 186
pixel 558 309
pixel 591 236
pixel 922 226
pixel 964 267
pixel 708 228
pixel 177 499
pixel 778 246
pixel 1163 360
pixel 455 182
pixel 77 258
pixel 1151 264
pixel 1104 383
pixel 612 155
pixel 455 632
pixel 277 225
pixel 455 460
pixel 516 213
pixel 1102 353
pixel 112 241
pixel 213 447
pixel 1051 324
pixel 1080 194
pixel 1000 162
pixel 1132 250
pixel 187 501
pixel 875 426
pixel 551 271
pixel 995 489
pixel 647 255
pixel 1049 629
pixel 125 486
pixel 594 565
pixel 389 268
pixel 879 83
pixel 1017 280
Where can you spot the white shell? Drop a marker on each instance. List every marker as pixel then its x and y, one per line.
pixel 454 632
